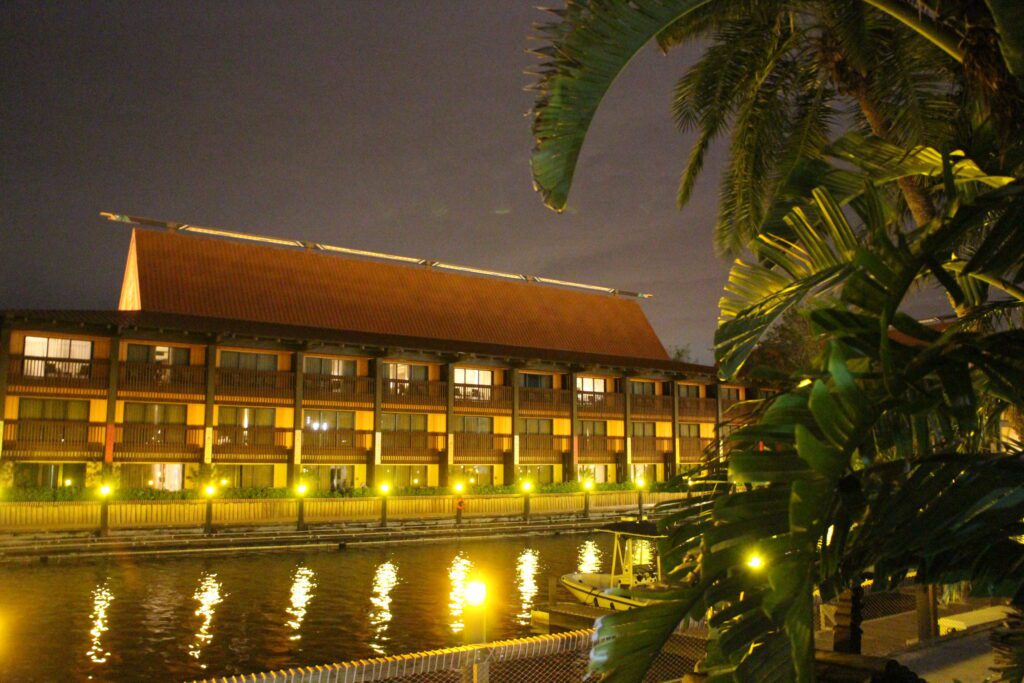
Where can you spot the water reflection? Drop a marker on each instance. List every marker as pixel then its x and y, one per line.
pixel 384 580
pixel 209 596
pixel 589 558
pixel 303 584
pixel 526 581
pixel 643 552
pixel 458 570
pixel 101 599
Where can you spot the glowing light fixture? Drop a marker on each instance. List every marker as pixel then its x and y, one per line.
pixel 806 382
pixel 385 489
pixel 527 486
pixel 223 482
pixel 459 487
pixel 640 483
pixel 105 490
pixel 588 484
pixel 476 593
pixel 301 489
pixel 755 561
pixel 67 482
pixel 210 490
pixel 149 483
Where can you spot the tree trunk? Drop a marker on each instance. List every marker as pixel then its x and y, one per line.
pixel 927 612
pixel 849 617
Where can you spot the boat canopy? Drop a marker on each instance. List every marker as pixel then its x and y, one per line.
pixel 639 529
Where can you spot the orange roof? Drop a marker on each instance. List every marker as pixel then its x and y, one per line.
pixel 183 274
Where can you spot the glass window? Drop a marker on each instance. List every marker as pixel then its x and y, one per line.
pixel 155 413
pixel 162 355
pixel 480 378
pixel 642 388
pixel 689 391
pixel 474 424
pixel 689 429
pixel 593 427
pixel 336 367
pixel 245 360
pixel 729 393
pixel 324 420
pixel 52 409
pixel 55 347
pixel 534 380
pixel 533 425
pixel 403 422
pixel 246 417
pixel 405 371
pixel 595 384
pixel 643 429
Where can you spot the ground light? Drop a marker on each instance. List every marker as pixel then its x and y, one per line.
pixel 526 486
pixel 460 503
pixel 475 597
pixel 210 490
pixel 300 491
pixel 476 593
pixel 223 482
pixel 755 561
pixel 459 487
pixel 67 482
pixel 640 484
pixel 385 489
pixel 587 486
pixel 105 491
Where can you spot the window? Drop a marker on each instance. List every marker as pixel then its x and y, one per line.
pixel 404 476
pixel 52 409
pixel 47 475
pixel 649 473
pixel 474 424
pixel 155 413
pixel 403 422
pixel 474 475
pixel 729 393
pixel 533 425
pixel 689 391
pixel 538 474
pixel 480 378
pixel 642 388
pixel 336 367
pixel 247 476
pixel 643 429
pixel 244 360
pixel 532 380
pixel 593 428
pixel 595 384
pixel 158 355
pixel 246 417
pixel 405 371
pixel 689 429
pixel 56 357
pixel 53 421
pixel 327 420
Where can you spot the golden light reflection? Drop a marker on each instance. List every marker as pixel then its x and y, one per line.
pixel 643 552
pixel 101 599
pixel 589 558
pixel 209 596
pixel 458 571
pixel 526 581
pixel 303 584
pixel 384 581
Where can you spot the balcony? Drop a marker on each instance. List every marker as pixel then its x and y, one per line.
pixel 266 385
pixel 27 373
pixel 411 448
pixel 481 449
pixel 53 440
pixel 600 404
pixel 699 409
pixel 233 443
pixel 600 450
pixel 404 393
pixel 546 402
pixel 149 379
pixel 647 450
pixel 735 410
pixel 487 398
pixel 653 407
pixel 352 391
pixel 336 446
pixel 543 449
pixel 158 443
pixel 692 449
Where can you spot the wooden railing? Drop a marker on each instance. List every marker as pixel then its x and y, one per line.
pixel 53 440
pixel 140 442
pixel 691 449
pixel 58 373
pixel 643 405
pixel 357 390
pixel 411 448
pixel 486 397
pixel 336 446
pixel 694 408
pixel 600 403
pixel 545 401
pixel 256 444
pixel 543 449
pixel 600 449
pixel 162 379
pixel 255 383
pixel 736 410
pixel 481 449
pixel 404 392
pixel 650 449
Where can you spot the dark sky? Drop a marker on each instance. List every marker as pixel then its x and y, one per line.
pixel 393 126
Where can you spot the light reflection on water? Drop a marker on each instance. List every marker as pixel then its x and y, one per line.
pixel 101 599
pixel 526 581
pixel 458 570
pixel 302 592
pixel 384 581
pixel 209 596
pixel 589 558
pixel 643 552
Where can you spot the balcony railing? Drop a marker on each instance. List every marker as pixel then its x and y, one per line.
pixel 336 446
pixel 411 448
pixel 543 449
pixel 600 403
pixel 545 401
pixel 643 405
pixel 255 383
pixel 404 392
pixel 692 449
pixel 481 449
pixel 53 440
pixel 650 449
pixel 735 410
pixel 358 390
pixel 140 442
pixel 162 379
pixel 485 397
pixel 694 408
pixel 233 443
pixel 58 373
pixel 600 449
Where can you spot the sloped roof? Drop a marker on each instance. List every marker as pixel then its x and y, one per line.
pixel 199 276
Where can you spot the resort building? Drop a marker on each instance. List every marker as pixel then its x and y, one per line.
pixel 261 361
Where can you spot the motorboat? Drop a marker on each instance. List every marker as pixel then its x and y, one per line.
pixel 630 571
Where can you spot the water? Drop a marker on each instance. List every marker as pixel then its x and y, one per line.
pixel 175 619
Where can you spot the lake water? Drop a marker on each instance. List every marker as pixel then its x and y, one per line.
pixel 175 619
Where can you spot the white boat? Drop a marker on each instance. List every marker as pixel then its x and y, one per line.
pixel 611 590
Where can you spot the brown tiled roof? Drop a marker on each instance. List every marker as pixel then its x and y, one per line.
pixel 200 276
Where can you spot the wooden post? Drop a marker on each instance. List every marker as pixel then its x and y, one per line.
pixel 719 444
pixel 295 467
pixel 512 464
pixel 675 429
pixel 849 617
pixel 627 429
pixel 926 602
pixel 211 393
pixel 111 426
pixel 5 363
pixel 574 431
pixel 449 427
pixel 373 458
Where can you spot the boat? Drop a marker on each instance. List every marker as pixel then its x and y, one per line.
pixel 612 590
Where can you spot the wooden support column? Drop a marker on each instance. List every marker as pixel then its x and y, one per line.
pixel 373 457
pixel 572 462
pixel 449 427
pixel 295 466
pixel 512 462
pixel 674 386
pixel 111 427
pixel 211 392
pixel 5 363
pixel 719 443
pixel 627 429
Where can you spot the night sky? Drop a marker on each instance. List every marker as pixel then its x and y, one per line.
pixel 392 126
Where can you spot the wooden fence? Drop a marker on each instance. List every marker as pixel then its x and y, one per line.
pixel 77 516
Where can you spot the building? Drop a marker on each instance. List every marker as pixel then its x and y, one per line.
pixel 258 363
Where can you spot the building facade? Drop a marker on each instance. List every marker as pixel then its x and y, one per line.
pixel 259 365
